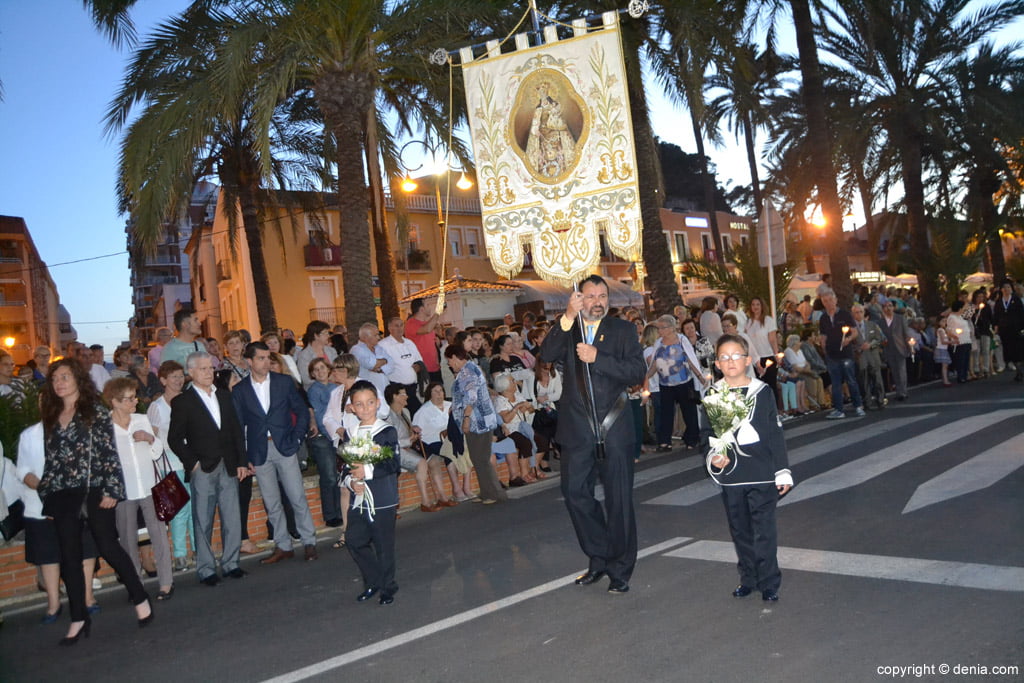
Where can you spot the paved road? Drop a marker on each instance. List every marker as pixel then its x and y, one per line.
pixel 901 547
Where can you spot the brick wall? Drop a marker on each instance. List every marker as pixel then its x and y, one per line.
pixel 19 578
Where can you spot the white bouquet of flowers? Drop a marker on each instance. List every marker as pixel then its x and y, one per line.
pixel 726 409
pixel 363 450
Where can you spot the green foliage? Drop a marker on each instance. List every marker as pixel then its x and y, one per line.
pixel 18 410
pixel 750 279
pixel 954 254
pixel 1015 268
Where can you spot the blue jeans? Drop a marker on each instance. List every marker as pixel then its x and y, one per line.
pixel 181 526
pixel 326 459
pixel 839 371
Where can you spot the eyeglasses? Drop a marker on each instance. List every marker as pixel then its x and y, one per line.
pixel 725 357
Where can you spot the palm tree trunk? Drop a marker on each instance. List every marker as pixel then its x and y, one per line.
pixel 709 185
pixel 385 254
pixel 343 97
pixel 917 221
pixel 755 179
pixel 819 136
pixel 657 258
pixel 257 261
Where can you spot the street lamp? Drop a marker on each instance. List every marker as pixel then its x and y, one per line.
pixel 410 185
pixel 9 342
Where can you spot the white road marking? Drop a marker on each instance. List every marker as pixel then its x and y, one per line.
pixel 875 464
pixel 450 622
pixel 699 491
pixel 1002 401
pixel 959 574
pixel 980 472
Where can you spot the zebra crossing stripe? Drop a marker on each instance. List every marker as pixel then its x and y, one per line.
pixel 980 472
pixel 959 574
pixel 875 464
pixel 699 491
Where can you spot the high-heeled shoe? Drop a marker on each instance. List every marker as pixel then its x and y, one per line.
pixel 83 632
pixel 146 621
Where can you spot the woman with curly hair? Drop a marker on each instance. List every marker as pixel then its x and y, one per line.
pixel 81 484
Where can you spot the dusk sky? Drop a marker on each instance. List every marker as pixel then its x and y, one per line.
pixel 59 74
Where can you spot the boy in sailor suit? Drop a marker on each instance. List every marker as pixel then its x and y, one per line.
pixel 371 537
pixel 753 473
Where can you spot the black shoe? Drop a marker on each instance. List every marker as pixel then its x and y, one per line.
pixel 901 397
pixel 770 595
pixel 211 580
pixel 386 598
pixel 333 523
pixel 147 620
pixel 366 595
pixel 742 591
pixel 618 586
pixel 82 633
pixel 588 578
pixel 237 573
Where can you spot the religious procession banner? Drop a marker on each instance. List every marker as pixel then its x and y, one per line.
pixel 553 143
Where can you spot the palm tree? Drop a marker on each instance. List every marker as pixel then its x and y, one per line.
pixel 344 52
pixel 201 133
pixel 111 17
pixel 986 107
pixel 899 50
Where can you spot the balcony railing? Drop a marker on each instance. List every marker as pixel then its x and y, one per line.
pixel 322 256
pixel 331 316
pixel 11 303
pixel 414 259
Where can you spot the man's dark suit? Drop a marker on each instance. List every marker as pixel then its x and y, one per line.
pixel 896 350
pixel 608 535
pixel 195 438
pixel 287 420
pixel 277 470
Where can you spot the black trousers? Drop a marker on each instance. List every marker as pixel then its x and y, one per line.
pixel 684 396
pixel 607 534
pixel 751 514
pixel 65 506
pixel 372 546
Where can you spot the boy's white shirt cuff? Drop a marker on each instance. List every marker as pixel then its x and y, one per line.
pixel 783 478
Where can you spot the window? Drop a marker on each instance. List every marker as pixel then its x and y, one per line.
pixel 455 241
pixel 318 227
pixel 413 237
pixel 472 236
pixel 706 244
pixel 726 244
pixel 412 286
pixel 744 240
pixel 682 248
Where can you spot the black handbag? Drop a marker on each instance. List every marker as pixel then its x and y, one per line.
pixel 14 522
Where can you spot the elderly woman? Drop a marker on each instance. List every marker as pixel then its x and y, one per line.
pixel 234 367
pixel 702 346
pixel 138 448
pixel 810 388
pixel 432 421
pixel 83 476
pixel 544 390
pixel 513 411
pixel 473 411
pixel 519 350
pixel 147 385
pixel 709 322
pixel 679 375
pixel 172 376
pixel 413 457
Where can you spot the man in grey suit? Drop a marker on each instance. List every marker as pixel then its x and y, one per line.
pixel 894 327
pixel 869 358
pixel 274 419
pixel 206 436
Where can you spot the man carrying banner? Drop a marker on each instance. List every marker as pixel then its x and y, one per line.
pixel 608 350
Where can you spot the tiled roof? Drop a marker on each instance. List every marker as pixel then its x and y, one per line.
pixel 458 284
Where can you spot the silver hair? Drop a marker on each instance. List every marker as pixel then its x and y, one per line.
pixel 195 357
pixel 668 320
pixel 502 381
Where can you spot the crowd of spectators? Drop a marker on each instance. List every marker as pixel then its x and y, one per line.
pixel 468 399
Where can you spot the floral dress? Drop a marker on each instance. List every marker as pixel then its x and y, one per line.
pixel 67 458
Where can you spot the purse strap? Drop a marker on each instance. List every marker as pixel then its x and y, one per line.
pixel 166 463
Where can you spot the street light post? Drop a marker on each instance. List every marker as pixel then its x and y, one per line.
pixel 410 185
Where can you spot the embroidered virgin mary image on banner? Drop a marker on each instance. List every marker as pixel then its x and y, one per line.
pixel 553 143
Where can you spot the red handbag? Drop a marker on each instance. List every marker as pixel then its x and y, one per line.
pixel 169 494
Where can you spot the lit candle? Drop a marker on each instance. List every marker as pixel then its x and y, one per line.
pixel 958 331
pixel 981 305
pixel 846 330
